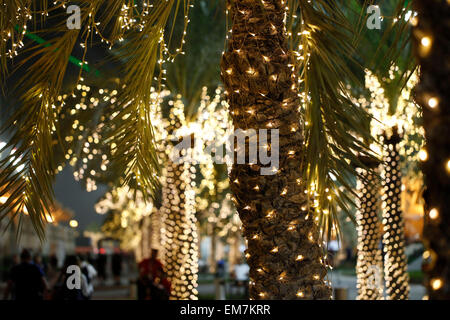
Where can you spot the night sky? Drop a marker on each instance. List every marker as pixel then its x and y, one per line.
pixel 72 195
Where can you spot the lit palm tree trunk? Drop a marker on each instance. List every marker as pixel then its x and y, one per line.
pixel 395 263
pixel 155 229
pixel 369 264
pixel 284 253
pixel 151 233
pixel 432 36
pixel 180 242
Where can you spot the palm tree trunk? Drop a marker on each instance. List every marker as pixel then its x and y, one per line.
pixel 155 230
pixel 284 252
pixel 369 264
pixel 180 240
pixel 395 262
pixel 433 94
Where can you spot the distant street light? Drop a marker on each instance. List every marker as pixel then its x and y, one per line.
pixel 73 223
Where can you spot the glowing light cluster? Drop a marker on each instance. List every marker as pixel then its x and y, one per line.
pixel 87 152
pixel 395 262
pixel 131 219
pixel 429 46
pixel 369 263
pixel 407 118
pixel 179 234
pixel 13 26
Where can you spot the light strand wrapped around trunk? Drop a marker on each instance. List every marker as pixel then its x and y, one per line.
pixel 395 262
pixel 284 251
pixel 369 265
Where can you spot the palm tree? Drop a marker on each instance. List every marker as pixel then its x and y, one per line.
pixel 390 76
pixel 369 264
pixel 188 79
pixel 431 39
pixel 395 262
pixel 33 123
pixel 263 79
pixel 284 254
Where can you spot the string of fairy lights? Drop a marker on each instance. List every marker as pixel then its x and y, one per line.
pixel 369 264
pixel 129 210
pixel 15 15
pixel 395 262
pixel 406 118
pixel 179 189
pixel 179 230
pixel 409 150
pixel 179 234
pixel 91 155
pixel 86 152
pixel 400 159
pixel 14 25
pixel 262 248
pixel 215 127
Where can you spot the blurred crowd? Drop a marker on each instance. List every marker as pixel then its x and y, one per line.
pixel 30 278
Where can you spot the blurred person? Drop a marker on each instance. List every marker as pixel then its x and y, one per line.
pixel 15 260
pixel 348 253
pixel 151 265
pixel 220 269
pixel 160 286
pixel 89 271
pixel 52 271
pixel 333 249
pixel 37 260
pixel 27 281
pixel 240 275
pixel 152 282
pixel 62 291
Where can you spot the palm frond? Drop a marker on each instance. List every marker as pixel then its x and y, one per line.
pixel 324 39
pixel 132 140
pixel 14 15
pixel 199 67
pixel 382 50
pixel 27 171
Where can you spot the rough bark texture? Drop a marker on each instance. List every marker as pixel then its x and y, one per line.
pixel 395 263
pixel 433 21
pixel 284 254
pixel 179 236
pixel 369 265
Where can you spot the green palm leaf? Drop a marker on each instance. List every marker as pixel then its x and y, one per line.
pixel 324 39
